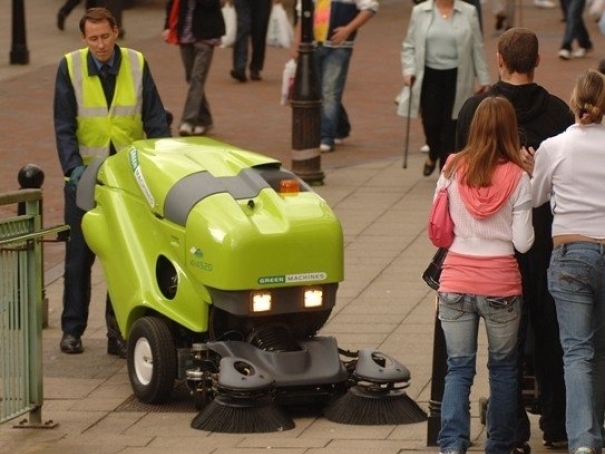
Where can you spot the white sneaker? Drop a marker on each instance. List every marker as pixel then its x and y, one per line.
pixel 186 129
pixel 584 450
pixel 564 54
pixel 544 4
pixel 199 131
pixel 424 149
pixel 580 52
pixel 325 148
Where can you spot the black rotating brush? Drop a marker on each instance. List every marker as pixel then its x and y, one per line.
pixel 378 396
pixel 367 408
pixel 225 416
pixel 244 403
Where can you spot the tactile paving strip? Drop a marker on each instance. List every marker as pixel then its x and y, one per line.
pixel 180 402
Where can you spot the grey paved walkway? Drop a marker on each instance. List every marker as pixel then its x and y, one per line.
pixel 382 303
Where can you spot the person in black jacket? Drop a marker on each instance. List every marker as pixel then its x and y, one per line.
pixel 196 26
pixel 540 115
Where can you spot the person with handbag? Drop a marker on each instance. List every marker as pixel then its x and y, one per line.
pixel 540 115
pixel 491 208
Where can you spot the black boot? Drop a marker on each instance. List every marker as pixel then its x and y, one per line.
pixel 116 345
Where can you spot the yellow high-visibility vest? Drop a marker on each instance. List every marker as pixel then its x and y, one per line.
pixel 98 125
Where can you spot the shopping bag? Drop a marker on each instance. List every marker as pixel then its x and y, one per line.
pixel 230 18
pixel 280 32
pixel 288 81
pixel 596 8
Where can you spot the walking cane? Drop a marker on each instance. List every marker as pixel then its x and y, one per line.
pixel 407 134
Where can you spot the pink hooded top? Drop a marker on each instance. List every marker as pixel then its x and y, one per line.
pixel 490 222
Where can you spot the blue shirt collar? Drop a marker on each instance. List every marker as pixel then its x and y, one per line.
pixel 98 63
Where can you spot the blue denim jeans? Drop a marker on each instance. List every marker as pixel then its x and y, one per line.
pixel 576 280
pixel 459 315
pixel 575 27
pixel 332 67
pixel 197 58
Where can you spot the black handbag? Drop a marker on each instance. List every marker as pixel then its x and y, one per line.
pixel 433 271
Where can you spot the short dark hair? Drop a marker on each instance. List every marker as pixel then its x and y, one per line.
pixel 518 48
pixel 97 15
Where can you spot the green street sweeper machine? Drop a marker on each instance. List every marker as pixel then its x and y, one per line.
pixel 222 266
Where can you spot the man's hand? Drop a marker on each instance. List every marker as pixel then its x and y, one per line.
pixel 75 175
pixel 340 35
pixel 482 89
pixel 527 159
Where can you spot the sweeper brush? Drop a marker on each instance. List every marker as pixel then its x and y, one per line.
pixel 222 267
pixel 378 396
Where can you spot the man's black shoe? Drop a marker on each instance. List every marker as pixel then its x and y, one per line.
pixel 117 346
pixel 71 344
pixel 61 20
pixel 522 448
pixel 239 75
pixel 560 443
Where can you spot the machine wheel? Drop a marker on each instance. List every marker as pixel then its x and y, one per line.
pixel 151 360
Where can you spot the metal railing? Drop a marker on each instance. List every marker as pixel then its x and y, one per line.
pixel 21 296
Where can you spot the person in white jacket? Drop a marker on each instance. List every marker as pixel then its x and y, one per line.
pixel 569 171
pixel 442 56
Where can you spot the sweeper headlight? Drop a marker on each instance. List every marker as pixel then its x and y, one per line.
pixel 275 300
pixel 260 301
pixel 313 297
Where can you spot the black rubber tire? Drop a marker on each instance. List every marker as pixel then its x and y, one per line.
pixel 151 360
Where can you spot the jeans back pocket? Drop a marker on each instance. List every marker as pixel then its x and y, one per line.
pixel 503 309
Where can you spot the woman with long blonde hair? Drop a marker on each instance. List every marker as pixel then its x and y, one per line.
pixel 490 204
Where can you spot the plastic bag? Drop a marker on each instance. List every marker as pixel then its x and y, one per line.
pixel 288 81
pixel 280 32
pixel 228 38
pixel 596 8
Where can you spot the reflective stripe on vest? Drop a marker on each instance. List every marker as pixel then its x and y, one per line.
pixel 98 126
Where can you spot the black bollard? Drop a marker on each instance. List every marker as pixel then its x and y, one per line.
pixel 438 373
pixel 31 176
pixel 306 106
pixel 19 55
